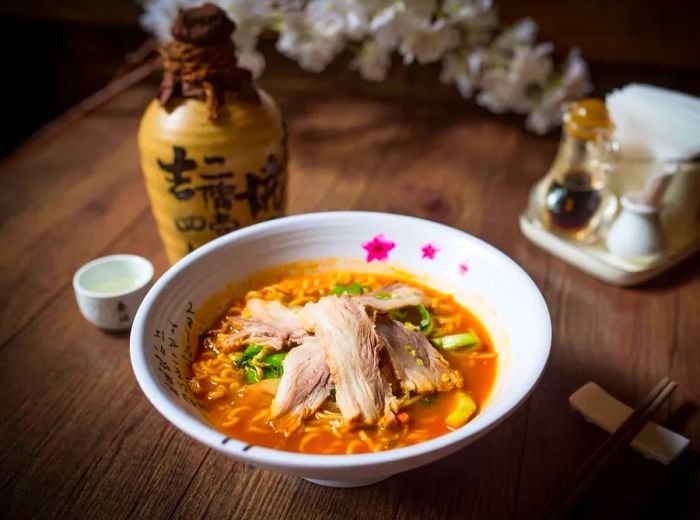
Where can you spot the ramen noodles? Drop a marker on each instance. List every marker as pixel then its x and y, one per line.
pixel 343 363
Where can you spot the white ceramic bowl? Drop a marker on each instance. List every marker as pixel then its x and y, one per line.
pixel 489 283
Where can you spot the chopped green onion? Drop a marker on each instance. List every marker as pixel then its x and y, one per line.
pixel 383 296
pixel 456 341
pixel 250 352
pixel 270 373
pixel 426 322
pixel 399 315
pixel 274 368
pixel 351 288
pixel 273 362
pixel 251 375
pixel 354 288
pixel 252 349
pixel 417 316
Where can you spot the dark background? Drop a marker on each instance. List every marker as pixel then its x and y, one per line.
pixel 57 53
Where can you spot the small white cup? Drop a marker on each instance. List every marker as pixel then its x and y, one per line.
pixel 109 289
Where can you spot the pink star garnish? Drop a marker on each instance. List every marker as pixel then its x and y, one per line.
pixel 463 268
pixel 378 248
pixel 429 251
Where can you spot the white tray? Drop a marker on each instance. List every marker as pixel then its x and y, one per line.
pixel 597 261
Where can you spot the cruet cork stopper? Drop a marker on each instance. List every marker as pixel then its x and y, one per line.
pixel 586 118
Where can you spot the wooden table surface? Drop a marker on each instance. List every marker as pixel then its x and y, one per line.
pixel 79 439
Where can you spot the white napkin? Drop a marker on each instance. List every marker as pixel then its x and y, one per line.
pixel 655 123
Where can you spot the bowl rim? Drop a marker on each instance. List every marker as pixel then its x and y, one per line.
pixel 271 457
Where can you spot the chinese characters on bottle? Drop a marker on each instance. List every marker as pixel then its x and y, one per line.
pixel 221 191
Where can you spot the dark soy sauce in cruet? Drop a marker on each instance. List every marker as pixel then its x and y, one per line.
pixel 573 200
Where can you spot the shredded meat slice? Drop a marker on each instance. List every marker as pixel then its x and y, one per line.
pixel 392 296
pixel 285 319
pixel 304 386
pixel 351 348
pixel 255 331
pixel 269 323
pixel 418 366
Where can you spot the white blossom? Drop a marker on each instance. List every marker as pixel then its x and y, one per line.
pixel 331 18
pixel 252 60
pixel 500 95
pixel 159 15
pixel 573 84
pixel 372 61
pixel 506 68
pixel 391 22
pixel 522 33
pixel 531 64
pixel 466 10
pixel 464 70
pixel 250 17
pixel 427 42
pixel 478 32
pixel 313 50
pixel 351 17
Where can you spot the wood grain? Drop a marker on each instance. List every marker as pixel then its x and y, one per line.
pixel 80 440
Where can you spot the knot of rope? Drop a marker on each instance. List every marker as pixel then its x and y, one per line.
pixel 205 72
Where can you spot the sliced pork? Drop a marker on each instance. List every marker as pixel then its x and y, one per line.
pixel 393 296
pixel 286 319
pixel 304 386
pixel 248 331
pixel 351 348
pixel 418 366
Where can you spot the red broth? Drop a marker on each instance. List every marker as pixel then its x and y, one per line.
pixel 241 410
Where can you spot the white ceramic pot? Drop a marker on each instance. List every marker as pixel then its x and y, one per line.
pixel 637 231
pixel 489 283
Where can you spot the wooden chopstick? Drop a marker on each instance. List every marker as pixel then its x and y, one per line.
pixel 584 478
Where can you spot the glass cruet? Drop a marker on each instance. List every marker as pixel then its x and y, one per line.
pixel 573 199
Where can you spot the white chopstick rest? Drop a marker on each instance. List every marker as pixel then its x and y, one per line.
pixel 603 410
